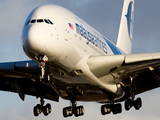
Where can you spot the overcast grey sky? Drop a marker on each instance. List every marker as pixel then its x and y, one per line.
pixel 103 15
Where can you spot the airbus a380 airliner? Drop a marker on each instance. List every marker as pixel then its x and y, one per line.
pixel 73 61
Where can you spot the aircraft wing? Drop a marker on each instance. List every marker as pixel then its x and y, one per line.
pixel 20 77
pixel 139 72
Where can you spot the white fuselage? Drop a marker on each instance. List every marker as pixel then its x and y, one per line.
pixel 60 42
pixel 67 41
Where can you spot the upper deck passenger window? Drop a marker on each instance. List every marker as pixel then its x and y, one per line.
pixel 33 21
pixel 39 20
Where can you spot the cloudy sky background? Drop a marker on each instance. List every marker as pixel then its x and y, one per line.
pixel 103 15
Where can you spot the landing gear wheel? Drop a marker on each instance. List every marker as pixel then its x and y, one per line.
pixel 37 110
pixel 81 108
pixel 105 109
pixel 117 108
pixel 114 108
pixel 138 104
pixel 67 112
pixel 47 109
pixel 76 111
pixel 127 104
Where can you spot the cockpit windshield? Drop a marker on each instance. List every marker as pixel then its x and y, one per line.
pixel 50 22
pixel 33 21
pixel 39 21
pixel 46 21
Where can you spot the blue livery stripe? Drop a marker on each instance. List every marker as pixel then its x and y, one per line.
pixel 114 49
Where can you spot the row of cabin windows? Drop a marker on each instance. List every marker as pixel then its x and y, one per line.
pixel 40 21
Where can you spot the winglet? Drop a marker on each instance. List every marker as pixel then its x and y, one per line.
pixel 125 34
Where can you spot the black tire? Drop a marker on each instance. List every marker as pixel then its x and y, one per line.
pixel 77 111
pixel 140 101
pixel 119 108
pixel 81 108
pixel 127 105
pixel 138 104
pixel 108 107
pixel 68 111
pixel 37 110
pixel 114 109
pixel 49 107
pixel 103 110
pixel 65 112
pixel 46 110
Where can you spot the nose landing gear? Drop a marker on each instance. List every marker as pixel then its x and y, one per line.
pixel 42 61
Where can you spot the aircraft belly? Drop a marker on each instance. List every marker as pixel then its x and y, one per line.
pixel 91 92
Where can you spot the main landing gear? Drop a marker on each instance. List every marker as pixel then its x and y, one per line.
pixel 117 108
pixel 39 108
pixel 79 110
pixel 128 104
pixel 108 108
pixel 73 109
pixel 114 108
pixel 76 110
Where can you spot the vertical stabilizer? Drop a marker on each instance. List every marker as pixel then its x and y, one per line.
pixel 126 27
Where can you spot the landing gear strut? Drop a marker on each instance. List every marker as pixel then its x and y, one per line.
pixel 42 61
pixel 129 103
pixel 39 108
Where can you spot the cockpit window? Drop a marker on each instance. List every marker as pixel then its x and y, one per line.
pixel 39 20
pixel 50 22
pixel 46 21
pixel 33 21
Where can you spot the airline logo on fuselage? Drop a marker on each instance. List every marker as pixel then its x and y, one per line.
pixel 91 38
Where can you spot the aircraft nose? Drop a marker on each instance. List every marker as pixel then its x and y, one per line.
pixel 36 39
